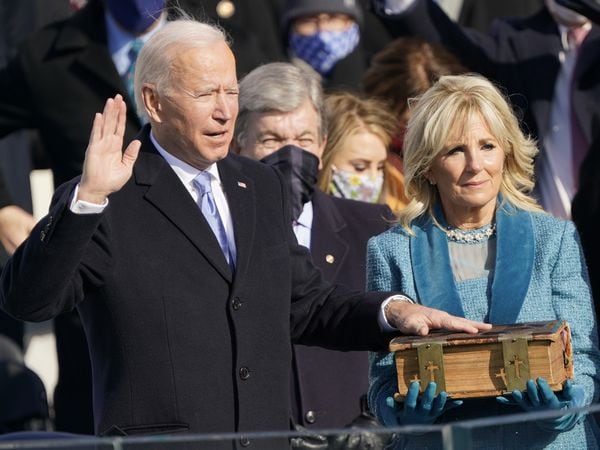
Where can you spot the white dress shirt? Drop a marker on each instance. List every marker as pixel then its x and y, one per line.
pixel 303 226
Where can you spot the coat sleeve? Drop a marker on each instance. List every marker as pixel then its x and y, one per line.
pixel 572 301
pixel 65 255
pixel 382 370
pixel 479 52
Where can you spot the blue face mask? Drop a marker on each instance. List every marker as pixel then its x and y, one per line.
pixel 135 16
pixel 325 48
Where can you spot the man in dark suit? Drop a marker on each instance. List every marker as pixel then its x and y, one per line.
pixel 188 329
pixel 60 77
pixel 281 122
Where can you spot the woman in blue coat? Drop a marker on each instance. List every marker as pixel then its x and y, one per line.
pixel 473 242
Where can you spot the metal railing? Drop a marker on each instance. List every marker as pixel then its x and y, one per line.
pixel 454 436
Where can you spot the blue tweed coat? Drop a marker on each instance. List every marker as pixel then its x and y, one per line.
pixel 540 274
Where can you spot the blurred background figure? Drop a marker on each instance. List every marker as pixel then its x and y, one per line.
pixel 404 69
pixel 24 406
pixel 548 64
pixel 586 203
pixel 359 133
pixel 17 21
pixel 253 26
pixel 337 38
pixel 479 14
pixel 559 108
pixel 56 81
pixel 18 156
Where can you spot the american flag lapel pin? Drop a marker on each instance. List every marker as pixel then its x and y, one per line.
pixel 242 184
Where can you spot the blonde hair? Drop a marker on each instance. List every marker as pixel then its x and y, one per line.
pixel 449 104
pixel 347 115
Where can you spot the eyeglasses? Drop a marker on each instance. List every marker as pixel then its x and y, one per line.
pixel 322 22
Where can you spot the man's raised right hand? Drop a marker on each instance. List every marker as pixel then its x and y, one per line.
pixel 106 168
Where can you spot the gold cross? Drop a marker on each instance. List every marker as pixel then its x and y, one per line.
pixel 415 378
pixel 502 375
pixel 517 363
pixel 431 367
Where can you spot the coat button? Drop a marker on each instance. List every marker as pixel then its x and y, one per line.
pixel 244 373
pixel 236 303
pixel 244 441
pixel 310 417
pixel 330 259
pixel 43 235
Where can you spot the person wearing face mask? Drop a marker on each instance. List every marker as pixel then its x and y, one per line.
pixel 355 158
pixel 282 123
pixel 328 37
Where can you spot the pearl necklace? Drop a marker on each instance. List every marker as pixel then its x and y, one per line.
pixel 471 236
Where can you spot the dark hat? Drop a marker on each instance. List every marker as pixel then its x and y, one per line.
pixel 299 8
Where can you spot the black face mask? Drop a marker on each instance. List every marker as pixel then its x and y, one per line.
pixel 299 169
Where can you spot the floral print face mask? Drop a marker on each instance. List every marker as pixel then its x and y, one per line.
pixel 356 186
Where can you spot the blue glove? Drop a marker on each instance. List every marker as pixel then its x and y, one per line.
pixel 542 398
pixel 424 412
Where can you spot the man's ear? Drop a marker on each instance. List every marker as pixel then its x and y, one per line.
pixel 152 102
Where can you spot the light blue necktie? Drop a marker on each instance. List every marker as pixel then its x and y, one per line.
pixel 211 214
pixel 133 53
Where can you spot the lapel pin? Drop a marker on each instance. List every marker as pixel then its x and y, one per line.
pixel 330 259
pixel 242 184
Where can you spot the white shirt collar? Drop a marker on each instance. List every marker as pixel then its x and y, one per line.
pixel 306 217
pixel 183 170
